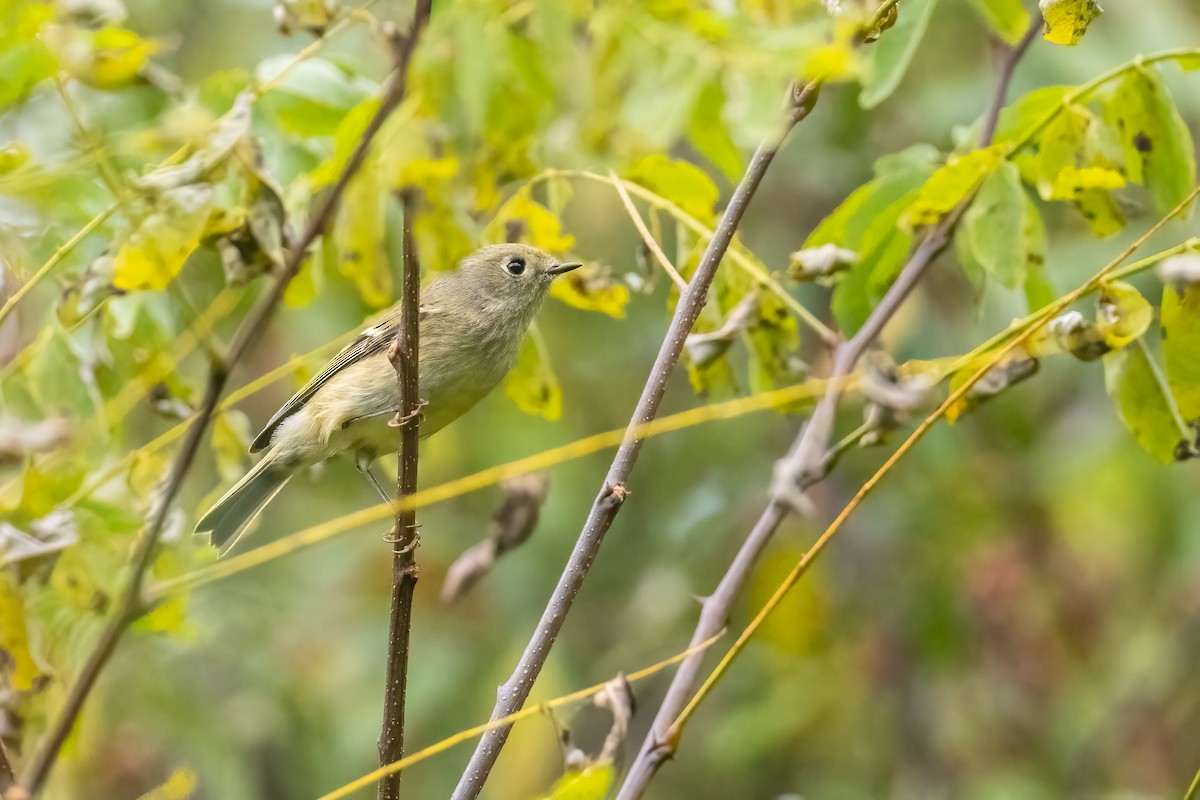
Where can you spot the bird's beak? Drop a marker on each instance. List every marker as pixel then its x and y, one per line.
pixel 559 269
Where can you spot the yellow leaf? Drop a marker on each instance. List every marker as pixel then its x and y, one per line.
pixel 950 185
pixel 156 251
pixel 303 288
pixel 1072 180
pixel 592 289
pixel 532 384
pixel 117 57
pixel 797 624
pixel 423 172
pixel 537 225
pixel 1122 315
pixel 179 786
pixel 1067 20
pixel 14 637
pixel 590 783
pixel 108 58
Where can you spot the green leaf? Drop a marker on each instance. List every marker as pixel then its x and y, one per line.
pixel 360 237
pixel 1039 293
pixel 1133 384
pixel 894 51
pixel 658 105
pixel 1072 163
pixel 996 228
pixel 313 97
pixel 532 384
pixel 157 250
pixel 709 133
pixel 950 185
pixel 1019 117
pixel 1156 142
pixel 882 250
pixel 1008 19
pixel 1067 20
pixel 684 184
pixel 1181 347
pixel 867 224
pixel 590 783
pixel 22 66
pixel 480 48
pixel 1122 314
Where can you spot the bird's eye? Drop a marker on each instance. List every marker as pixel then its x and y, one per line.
pixel 516 266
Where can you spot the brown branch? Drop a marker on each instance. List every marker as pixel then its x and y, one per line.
pixel 806 463
pixel 7 778
pixel 512 694
pixel 131 604
pixel 404 357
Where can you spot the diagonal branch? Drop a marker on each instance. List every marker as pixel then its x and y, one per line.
pixel 404 357
pixel 512 693
pixel 806 463
pixel 131 603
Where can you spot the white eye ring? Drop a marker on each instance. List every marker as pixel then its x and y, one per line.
pixel 516 266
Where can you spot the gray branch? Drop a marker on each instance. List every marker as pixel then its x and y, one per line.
pixel 511 695
pixel 805 464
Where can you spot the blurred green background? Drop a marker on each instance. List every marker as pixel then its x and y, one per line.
pixel 1014 614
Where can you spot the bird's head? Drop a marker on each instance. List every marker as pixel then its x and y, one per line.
pixel 515 274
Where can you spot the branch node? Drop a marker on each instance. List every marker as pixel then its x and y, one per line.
pixel 617 492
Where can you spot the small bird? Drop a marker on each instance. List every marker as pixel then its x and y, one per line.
pixel 471 324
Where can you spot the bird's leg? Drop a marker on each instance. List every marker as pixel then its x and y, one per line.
pixel 362 462
pixel 401 421
pixel 352 420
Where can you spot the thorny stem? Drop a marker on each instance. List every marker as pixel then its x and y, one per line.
pixel 131 603
pixel 806 463
pixel 512 694
pixel 404 356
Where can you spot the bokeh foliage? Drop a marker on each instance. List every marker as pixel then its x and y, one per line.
pixel 199 140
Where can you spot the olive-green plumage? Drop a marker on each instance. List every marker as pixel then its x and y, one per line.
pixel 472 321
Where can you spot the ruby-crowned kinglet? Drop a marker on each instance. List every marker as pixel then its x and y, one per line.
pixel 472 322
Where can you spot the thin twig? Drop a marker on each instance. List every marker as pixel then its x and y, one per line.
pixel 512 693
pixel 638 223
pixel 807 463
pixel 1194 790
pixel 131 604
pixel 62 252
pixel 543 707
pixel 404 357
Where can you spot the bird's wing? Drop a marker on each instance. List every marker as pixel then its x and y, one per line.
pixel 373 340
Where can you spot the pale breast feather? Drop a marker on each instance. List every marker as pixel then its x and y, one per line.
pixel 371 341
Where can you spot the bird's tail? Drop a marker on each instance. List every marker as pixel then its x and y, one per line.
pixel 226 521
